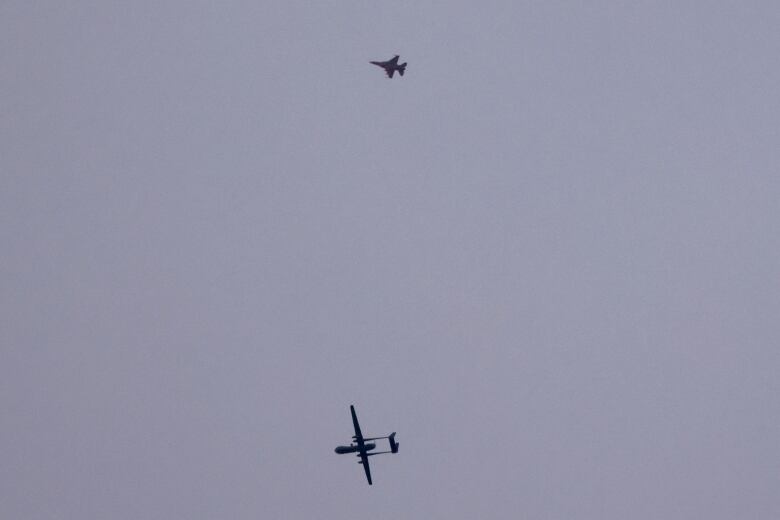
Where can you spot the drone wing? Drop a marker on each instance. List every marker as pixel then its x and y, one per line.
pixel 358 435
pixel 364 461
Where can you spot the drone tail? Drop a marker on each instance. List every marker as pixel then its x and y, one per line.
pixel 393 445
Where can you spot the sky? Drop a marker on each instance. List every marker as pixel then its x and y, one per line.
pixel 548 257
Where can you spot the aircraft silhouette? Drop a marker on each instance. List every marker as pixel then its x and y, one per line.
pixel 361 447
pixel 391 66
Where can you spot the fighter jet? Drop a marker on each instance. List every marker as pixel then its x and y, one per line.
pixel 391 66
pixel 361 447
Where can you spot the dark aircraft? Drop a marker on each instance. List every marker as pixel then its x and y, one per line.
pixel 391 66
pixel 361 447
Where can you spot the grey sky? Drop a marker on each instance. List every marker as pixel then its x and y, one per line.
pixel 548 256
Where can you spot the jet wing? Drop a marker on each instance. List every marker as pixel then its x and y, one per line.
pixel 394 61
pixel 358 435
pixel 390 72
pixel 364 461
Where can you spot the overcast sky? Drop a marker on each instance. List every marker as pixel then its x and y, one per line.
pixel 548 257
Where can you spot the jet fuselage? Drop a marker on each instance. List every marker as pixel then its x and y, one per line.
pixel 391 66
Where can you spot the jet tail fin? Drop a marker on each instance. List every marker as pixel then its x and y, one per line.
pixel 402 69
pixel 393 445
